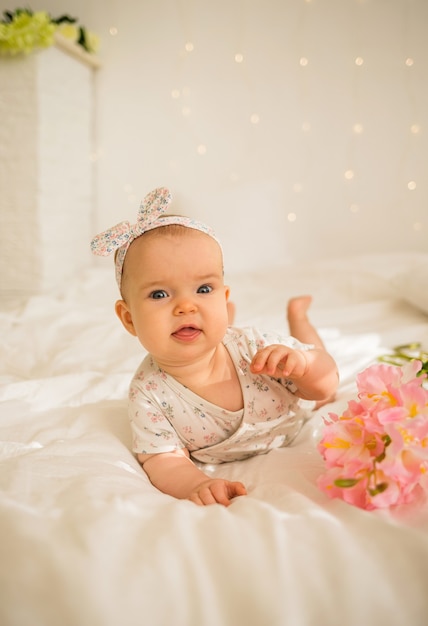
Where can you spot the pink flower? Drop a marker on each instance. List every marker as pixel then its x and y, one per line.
pixel 376 452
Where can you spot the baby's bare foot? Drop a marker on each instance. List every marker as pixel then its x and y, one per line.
pixel 297 308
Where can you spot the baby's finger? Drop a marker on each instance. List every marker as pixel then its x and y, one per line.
pixel 276 360
pixel 287 364
pixel 295 364
pixel 194 497
pixel 259 360
pixel 236 489
pixel 267 359
pixel 207 495
pixel 221 493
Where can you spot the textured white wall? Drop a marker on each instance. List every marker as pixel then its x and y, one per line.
pixel 46 180
pixel 314 145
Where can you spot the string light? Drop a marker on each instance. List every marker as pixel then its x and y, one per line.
pixel 355 128
pixel 113 31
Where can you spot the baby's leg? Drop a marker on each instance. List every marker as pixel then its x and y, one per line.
pixel 302 329
pixel 298 321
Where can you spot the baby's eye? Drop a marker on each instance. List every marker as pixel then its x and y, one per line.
pixel 205 289
pixel 158 294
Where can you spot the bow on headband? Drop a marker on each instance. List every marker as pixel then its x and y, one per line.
pixel 150 216
pixel 153 205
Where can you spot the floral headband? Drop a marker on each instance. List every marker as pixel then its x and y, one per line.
pixel 150 216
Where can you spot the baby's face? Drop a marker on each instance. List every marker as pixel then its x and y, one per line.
pixel 175 296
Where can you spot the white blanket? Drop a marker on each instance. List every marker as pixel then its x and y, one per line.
pixel 86 540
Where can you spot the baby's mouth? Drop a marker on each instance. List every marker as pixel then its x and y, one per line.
pixel 187 333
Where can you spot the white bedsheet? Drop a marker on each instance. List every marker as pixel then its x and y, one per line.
pixel 86 540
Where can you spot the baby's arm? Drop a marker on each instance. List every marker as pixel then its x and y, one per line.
pixel 175 474
pixel 314 372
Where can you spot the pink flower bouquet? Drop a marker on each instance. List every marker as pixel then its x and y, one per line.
pixel 376 452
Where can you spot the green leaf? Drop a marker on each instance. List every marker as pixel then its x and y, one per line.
pixel 65 18
pixel 345 483
pixel 82 39
pixel 380 488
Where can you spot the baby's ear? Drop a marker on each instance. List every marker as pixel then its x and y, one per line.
pixel 125 316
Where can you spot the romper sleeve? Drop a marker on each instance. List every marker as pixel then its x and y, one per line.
pixel 152 432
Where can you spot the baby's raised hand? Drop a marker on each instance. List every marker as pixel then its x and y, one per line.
pixel 280 362
pixel 217 491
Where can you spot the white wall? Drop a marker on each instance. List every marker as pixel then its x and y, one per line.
pixel 324 168
pixel 46 177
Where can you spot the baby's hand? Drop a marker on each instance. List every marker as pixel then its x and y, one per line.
pixel 217 491
pixel 280 362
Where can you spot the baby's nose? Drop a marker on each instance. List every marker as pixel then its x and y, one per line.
pixel 185 306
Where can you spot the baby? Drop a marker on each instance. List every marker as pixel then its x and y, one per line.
pixel 206 391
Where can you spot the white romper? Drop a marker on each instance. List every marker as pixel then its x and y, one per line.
pixel 165 415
